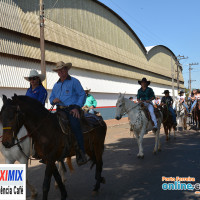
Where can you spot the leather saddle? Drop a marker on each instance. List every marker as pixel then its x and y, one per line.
pixel 88 121
pixel 147 113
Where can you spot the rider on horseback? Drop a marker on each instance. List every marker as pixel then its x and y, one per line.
pixel 146 95
pixel 168 101
pixel 181 99
pixel 69 96
pixel 36 91
pixel 193 98
pixel 90 103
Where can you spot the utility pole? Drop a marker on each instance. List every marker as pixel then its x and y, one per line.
pixel 190 78
pixel 42 47
pixel 172 71
pixel 179 57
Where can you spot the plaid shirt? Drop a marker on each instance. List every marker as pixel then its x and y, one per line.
pixel 145 94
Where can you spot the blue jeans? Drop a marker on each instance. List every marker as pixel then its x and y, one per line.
pixel 91 111
pixel 76 128
pixel 173 114
pixel 194 104
pixel 186 106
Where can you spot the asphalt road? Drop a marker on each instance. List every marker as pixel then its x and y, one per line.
pixel 127 177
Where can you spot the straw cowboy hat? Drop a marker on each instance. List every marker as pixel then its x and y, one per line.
pixel 87 89
pixel 144 80
pixel 34 73
pixel 166 92
pixel 61 64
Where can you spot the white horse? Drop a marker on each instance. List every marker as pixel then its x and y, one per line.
pixel 14 154
pixel 138 121
pixel 181 115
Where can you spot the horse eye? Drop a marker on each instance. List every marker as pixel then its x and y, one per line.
pixel 120 105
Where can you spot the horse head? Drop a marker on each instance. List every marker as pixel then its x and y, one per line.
pixel 120 107
pixel 12 121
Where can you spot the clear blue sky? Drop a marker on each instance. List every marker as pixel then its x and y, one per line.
pixel 172 23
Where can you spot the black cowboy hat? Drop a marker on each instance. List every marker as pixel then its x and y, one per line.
pixel 181 92
pixel 144 80
pixel 166 92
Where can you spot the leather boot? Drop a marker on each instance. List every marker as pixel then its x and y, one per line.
pixel 81 158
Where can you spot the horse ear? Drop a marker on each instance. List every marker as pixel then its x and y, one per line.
pixel 4 98
pixel 14 98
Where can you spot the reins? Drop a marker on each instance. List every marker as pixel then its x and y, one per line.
pixel 28 135
pixel 131 109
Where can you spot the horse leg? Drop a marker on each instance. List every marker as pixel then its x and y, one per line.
pixel 47 180
pixel 166 132
pixel 32 189
pixel 185 123
pixel 174 133
pixel 157 141
pixel 62 170
pixel 141 135
pixel 99 179
pixel 159 144
pixel 169 131
pixel 59 182
pixel 98 149
pixel 137 139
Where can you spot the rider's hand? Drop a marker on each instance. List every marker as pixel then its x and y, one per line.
pixel 148 101
pixel 56 100
pixel 92 107
pixel 75 113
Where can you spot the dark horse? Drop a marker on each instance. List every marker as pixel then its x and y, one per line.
pixel 196 115
pixel 50 142
pixel 167 122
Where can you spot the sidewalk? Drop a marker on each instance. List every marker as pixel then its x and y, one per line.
pixel 114 122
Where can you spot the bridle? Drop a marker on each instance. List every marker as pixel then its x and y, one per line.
pixel 19 140
pixel 127 111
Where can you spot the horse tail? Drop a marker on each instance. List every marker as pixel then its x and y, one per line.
pixel 69 163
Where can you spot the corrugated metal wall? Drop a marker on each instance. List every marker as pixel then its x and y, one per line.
pixel 89 27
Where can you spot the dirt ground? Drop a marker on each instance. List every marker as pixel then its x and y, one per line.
pixel 127 177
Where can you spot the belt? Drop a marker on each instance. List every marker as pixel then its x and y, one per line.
pixel 64 107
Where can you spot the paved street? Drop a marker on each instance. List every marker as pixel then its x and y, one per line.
pixel 127 177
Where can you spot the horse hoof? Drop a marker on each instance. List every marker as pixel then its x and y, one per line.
pixel 140 156
pixel 103 180
pixel 56 186
pixel 94 193
pixel 33 196
pixel 159 150
pixel 154 152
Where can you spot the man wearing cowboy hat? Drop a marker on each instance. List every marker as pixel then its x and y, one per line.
pixel 36 90
pixel 168 101
pixel 91 102
pixel 69 95
pixel 146 95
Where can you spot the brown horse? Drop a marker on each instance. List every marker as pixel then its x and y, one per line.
pixel 50 142
pixel 167 122
pixel 196 114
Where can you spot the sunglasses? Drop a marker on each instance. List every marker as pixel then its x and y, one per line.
pixel 33 78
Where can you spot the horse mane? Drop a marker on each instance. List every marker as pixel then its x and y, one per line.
pixel 30 104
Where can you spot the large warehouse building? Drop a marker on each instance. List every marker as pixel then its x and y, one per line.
pixel 106 54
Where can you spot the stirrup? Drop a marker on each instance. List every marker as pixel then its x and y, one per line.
pixel 81 158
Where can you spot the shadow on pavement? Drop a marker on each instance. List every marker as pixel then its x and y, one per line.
pixel 130 178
